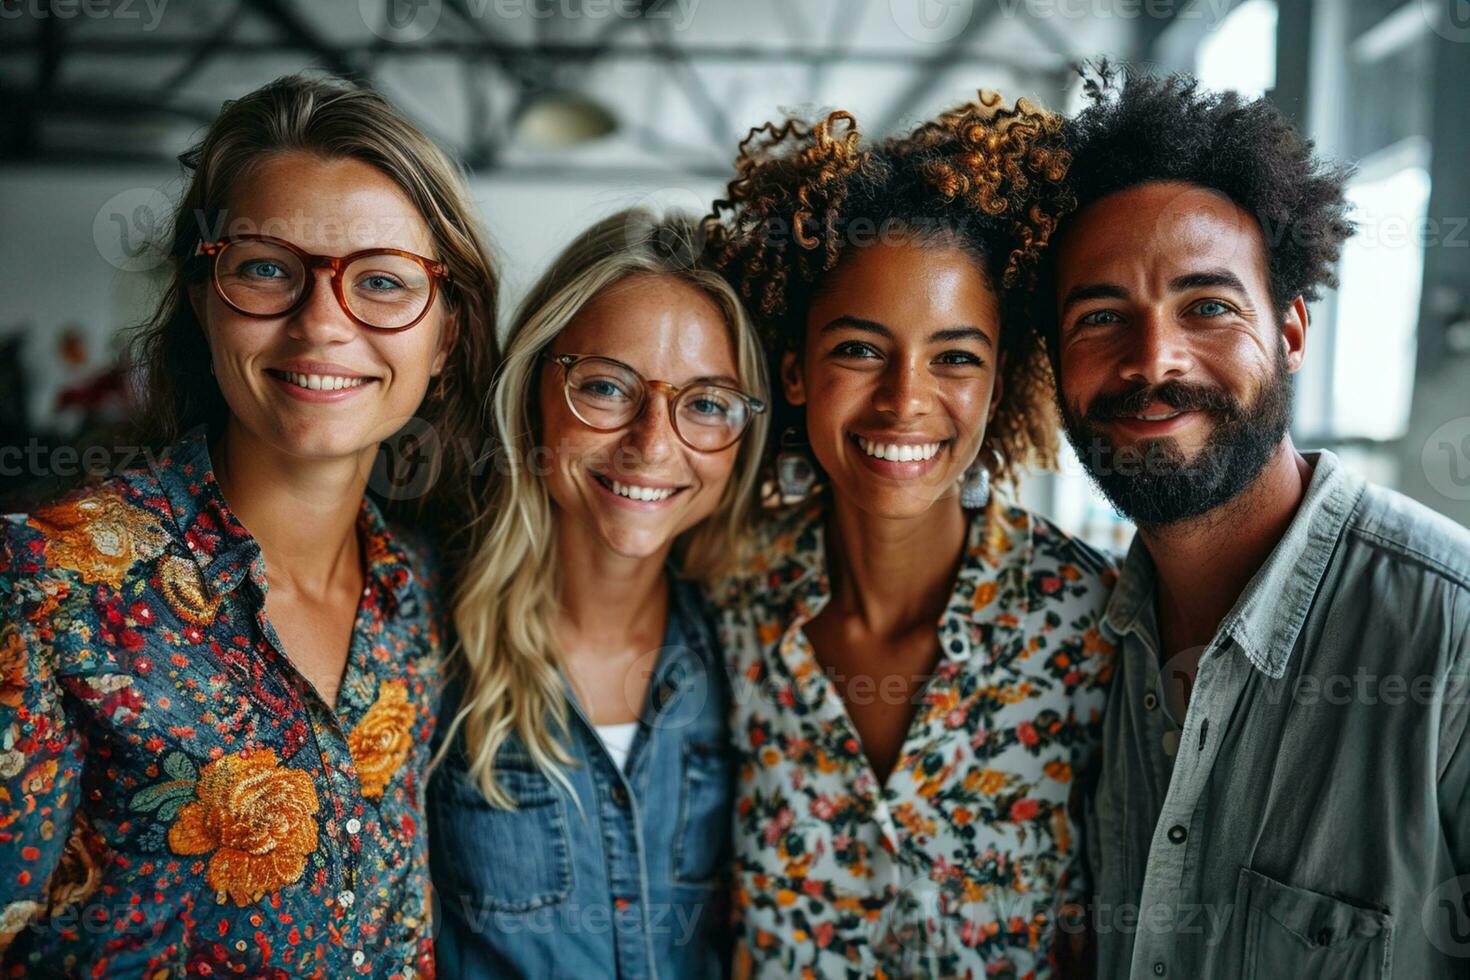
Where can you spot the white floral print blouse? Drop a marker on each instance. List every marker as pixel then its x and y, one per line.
pixel 957 866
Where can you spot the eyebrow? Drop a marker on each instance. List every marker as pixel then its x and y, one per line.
pixel 948 335
pixel 1212 277
pixel 713 379
pixel 1096 290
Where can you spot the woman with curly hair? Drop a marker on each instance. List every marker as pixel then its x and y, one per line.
pixel 917 664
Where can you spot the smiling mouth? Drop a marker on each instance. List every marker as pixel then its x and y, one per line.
pixel 895 452
pixel 319 382
pixel 638 492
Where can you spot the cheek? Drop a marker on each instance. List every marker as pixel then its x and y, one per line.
pixel 713 470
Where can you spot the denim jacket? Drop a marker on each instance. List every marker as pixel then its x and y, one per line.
pixel 626 880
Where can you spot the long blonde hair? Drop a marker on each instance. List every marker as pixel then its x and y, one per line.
pixel 507 605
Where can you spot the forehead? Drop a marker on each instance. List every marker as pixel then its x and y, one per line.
pixel 1155 231
pixel 328 206
pixel 907 285
pixel 662 326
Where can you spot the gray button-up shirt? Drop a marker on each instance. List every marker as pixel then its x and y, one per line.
pixel 1311 816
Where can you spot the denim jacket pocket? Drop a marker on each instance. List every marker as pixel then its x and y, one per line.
pixel 1293 932
pixel 504 860
pixel 702 835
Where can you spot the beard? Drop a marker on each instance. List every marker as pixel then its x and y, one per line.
pixel 1151 481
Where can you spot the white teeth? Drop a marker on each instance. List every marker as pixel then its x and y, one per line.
pixel 897 453
pixel 1156 418
pixel 641 493
pixel 323 382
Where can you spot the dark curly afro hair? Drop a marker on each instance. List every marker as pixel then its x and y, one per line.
pixel 984 177
pixel 1140 128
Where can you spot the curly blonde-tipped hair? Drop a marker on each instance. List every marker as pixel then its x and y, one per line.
pixel 985 177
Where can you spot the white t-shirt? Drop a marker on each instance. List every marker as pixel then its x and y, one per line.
pixel 619 740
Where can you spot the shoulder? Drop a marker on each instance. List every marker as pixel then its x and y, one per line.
pixel 1411 535
pixel 103 534
pixel 1046 552
pixel 418 550
pixel 783 540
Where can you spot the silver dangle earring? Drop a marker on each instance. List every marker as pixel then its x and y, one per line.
pixel 795 474
pixel 975 491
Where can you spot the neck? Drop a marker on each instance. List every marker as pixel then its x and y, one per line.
pixel 894 573
pixel 302 512
pixel 1232 541
pixel 607 598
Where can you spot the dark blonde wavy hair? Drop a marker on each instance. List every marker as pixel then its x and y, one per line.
pixel 984 177
pixel 329 117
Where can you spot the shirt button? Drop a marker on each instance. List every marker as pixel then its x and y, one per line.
pixel 353 825
pixel 619 795
pixel 1159 968
pixel 1177 833
pixel 1150 701
pixel 357 958
pixel 345 899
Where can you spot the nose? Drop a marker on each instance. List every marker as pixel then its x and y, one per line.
pixel 1154 351
pixel 905 390
pixel 321 319
pixel 650 437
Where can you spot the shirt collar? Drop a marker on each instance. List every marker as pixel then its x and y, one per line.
pixel 998 538
pixel 1268 616
pixel 225 551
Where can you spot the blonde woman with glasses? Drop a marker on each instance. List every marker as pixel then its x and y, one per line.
pixel 580 821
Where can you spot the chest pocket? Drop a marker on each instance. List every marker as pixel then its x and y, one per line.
pixel 501 860
pixel 702 836
pixel 1295 933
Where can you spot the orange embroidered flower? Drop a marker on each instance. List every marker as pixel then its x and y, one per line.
pixel 183 587
pixel 100 537
pixel 12 666
pixel 380 742
pixel 259 819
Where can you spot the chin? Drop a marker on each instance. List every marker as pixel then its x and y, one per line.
pixel 894 503
pixel 635 545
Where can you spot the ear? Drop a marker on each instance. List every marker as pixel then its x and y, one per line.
pixel 1294 334
pixel 792 381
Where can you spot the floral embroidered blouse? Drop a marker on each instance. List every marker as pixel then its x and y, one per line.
pixel 957 865
pixel 175 797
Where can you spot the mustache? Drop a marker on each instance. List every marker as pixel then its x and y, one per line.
pixel 1182 396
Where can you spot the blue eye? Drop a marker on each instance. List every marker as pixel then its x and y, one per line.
pixel 1204 308
pixel 381 283
pixel 261 269
pixel 1098 318
pixel 602 388
pixel 855 348
pixel 709 406
pixel 960 358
